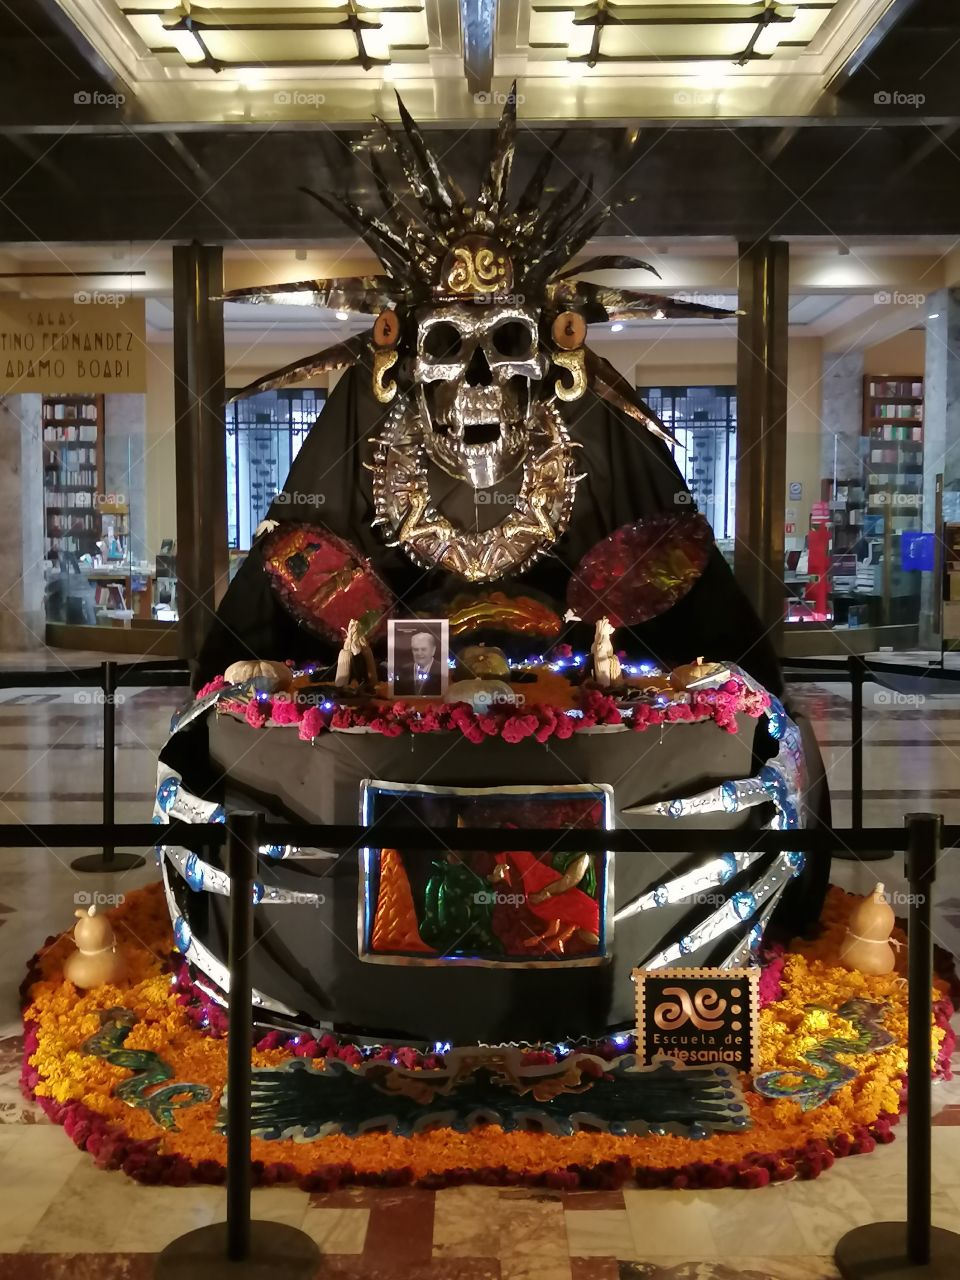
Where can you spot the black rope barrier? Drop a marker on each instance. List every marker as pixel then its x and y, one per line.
pixel 840 842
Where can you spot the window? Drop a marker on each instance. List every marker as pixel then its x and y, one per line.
pixel 704 422
pixel 264 435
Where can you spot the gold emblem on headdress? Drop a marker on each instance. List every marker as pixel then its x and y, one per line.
pixel 476 266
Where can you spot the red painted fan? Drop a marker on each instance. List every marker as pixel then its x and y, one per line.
pixel 641 569
pixel 324 581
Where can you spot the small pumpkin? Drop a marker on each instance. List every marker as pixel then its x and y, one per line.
pixel 263 674
pixel 866 944
pixel 692 673
pixel 482 662
pixel 483 695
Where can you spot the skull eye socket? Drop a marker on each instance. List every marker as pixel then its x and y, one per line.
pixel 513 338
pixel 442 342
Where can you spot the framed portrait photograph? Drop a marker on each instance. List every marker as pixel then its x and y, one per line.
pixel 418 657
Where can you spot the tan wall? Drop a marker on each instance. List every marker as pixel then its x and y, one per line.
pixel 804 399
pixel 903 354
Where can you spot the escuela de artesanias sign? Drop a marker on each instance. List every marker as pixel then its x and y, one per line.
pixel 700 1016
pixel 92 342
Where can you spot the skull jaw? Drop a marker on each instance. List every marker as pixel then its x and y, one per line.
pixel 476 434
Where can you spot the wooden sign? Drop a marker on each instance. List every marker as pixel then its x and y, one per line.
pixel 92 342
pixel 698 1015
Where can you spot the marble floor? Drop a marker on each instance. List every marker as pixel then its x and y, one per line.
pixel 61 1217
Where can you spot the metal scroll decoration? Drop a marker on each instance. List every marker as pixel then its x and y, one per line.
pixel 641 569
pixel 148 1087
pixel 477 1087
pixel 323 580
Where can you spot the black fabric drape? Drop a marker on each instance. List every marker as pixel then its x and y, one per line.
pixel 629 474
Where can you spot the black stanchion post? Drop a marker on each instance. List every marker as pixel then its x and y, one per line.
pixel 240 1249
pixel 857 671
pixel 109 859
pixel 243 840
pixel 911 1250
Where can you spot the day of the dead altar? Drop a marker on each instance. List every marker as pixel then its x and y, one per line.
pixel 485 599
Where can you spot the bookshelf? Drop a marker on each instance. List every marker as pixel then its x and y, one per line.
pixel 73 471
pixel 893 450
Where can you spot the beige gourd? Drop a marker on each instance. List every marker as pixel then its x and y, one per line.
pixel 262 673
pixel 866 945
pixel 96 960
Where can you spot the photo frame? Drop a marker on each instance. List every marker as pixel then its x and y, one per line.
pixel 418 657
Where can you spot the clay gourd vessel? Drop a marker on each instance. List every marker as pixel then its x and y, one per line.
pixel 866 945
pixel 96 960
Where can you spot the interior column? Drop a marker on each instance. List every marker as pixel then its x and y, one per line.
pixel 763 286
pixel 198 365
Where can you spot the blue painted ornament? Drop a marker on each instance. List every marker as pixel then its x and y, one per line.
pixel 167 793
pixel 776 719
pixel 729 866
pixel 796 860
pixel 193 872
pixel 744 904
pixel 182 935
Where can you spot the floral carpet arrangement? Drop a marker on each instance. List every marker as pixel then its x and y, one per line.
pixel 135 1073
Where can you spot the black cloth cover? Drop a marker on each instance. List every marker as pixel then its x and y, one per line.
pixel 630 474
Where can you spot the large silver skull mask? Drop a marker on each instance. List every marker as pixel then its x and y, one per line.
pixel 476 369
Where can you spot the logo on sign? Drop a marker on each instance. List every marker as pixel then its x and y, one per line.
pixel 682 1008
pixel 698 1015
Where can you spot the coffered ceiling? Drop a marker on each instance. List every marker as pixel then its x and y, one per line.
pixel 240 62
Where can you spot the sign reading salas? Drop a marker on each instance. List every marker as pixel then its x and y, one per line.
pixel 92 342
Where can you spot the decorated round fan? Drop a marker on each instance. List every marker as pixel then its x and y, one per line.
pixel 323 580
pixel 641 569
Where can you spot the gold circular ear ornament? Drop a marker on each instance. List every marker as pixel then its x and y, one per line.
pixel 386 329
pixel 569 330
